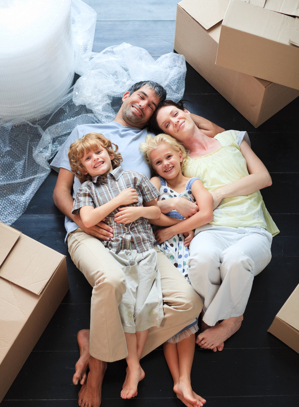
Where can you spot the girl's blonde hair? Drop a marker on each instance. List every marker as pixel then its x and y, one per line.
pixel 85 144
pixel 151 143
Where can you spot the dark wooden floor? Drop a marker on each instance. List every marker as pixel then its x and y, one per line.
pixel 254 369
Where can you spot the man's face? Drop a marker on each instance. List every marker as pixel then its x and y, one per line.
pixel 137 108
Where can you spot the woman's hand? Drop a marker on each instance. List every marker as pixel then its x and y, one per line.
pixel 185 207
pixel 163 234
pixel 127 214
pixel 217 198
pixel 188 237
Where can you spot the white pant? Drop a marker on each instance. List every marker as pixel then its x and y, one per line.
pixel 222 265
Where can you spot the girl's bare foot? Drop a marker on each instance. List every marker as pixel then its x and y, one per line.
pixel 133 377
pixel 82 363
pixel 90 394
pixel 215 336
pixel 185 393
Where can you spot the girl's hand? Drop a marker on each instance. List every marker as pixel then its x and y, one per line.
pixel 217 198
pixel 128 196
pixel 188 237
pixel 127 214
pixel 163 234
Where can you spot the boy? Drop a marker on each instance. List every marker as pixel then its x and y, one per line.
pixel 108 192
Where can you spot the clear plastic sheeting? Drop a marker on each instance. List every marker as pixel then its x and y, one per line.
pixel 26 148
pixel 110 73
pixel 36 57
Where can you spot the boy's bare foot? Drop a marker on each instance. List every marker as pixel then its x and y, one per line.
pixel 82 363
pixel 133 377
pixel 90 394
pixel 215 336
pixel 185 393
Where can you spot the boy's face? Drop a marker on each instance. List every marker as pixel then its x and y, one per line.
pixel 97 162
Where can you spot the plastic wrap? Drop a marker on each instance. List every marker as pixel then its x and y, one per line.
pixel 110 73
pixel 36 57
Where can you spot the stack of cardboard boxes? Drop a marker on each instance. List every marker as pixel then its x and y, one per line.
pixel 248 50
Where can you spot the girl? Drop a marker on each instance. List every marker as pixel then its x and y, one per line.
pixel 166 156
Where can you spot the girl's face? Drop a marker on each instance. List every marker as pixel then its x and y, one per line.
pixel 166 161
pixel 97 162
pixel 176 122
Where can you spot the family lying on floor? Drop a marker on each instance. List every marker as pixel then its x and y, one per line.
pixel 165 253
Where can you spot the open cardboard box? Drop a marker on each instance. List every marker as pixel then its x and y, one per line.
pixel 198 27
pixel 286 323
pixel 33 282
pixel 261 38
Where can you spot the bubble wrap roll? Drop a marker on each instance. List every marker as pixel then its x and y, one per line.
pixel 36 56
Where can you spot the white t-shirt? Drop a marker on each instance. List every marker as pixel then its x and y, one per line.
pixel 127 139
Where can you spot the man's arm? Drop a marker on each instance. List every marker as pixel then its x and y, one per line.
pixel 63 199
pixel 210 129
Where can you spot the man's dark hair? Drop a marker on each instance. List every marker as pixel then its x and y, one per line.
pixel 153 126
pixel 160 91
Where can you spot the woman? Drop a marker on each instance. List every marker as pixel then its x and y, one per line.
pixel 227 253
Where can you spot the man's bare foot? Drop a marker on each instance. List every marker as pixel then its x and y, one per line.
pixel 82 363
pixel 187 396
pixel 133 377
pixel 215 336
pixel 90 394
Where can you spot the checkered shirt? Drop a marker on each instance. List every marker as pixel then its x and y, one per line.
pixel 137 235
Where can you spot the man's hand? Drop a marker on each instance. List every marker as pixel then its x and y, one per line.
pixel 128 196
pixel 188 237
pixel 185 207
pixel 127 214
pixel 100 231
pixel 163 234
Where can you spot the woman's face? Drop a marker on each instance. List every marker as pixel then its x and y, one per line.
pixel 176 122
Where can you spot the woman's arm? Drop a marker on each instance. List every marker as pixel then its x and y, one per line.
pixel 257 179
pixel 203 216
pixel 62 196
pixel 210 129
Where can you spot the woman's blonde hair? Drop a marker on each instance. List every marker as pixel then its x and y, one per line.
pixel 151 143
pixel 85 144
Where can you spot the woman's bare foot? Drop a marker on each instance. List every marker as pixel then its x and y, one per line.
pixel 90 394
pixel 215 336
pixel 133 377
pixel 82 363
pixel 185 393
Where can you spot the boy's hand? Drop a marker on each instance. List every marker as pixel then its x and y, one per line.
pixel 188 237
pixel 128 196
pixel 127 214
pixel 163 234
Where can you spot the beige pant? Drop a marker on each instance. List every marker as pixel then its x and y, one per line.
pixel 107 339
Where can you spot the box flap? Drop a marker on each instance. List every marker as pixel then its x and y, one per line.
pixel 288 7
pixel 294 36
pixel 8 238
pixel 206 12
pixel 290 310
pixel 30 264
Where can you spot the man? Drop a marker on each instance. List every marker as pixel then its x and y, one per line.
pixel 106 341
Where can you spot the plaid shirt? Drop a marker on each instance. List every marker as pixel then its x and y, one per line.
pixel 137 235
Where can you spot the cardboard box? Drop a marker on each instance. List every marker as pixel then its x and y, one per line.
pixel 33 282
pixel 261 38
pixel 286 323
pixel 197 33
